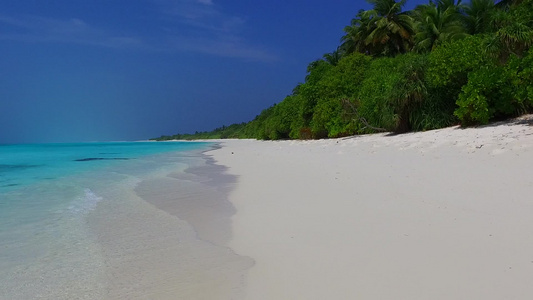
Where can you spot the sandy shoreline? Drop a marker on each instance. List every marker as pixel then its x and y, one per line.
pixel 444 214
pixel 163 234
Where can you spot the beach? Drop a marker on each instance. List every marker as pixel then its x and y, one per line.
pixel 443 214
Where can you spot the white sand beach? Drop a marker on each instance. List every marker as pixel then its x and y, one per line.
pixel 444 214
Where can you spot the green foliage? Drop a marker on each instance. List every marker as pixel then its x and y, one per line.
pixel 473 104
pixel 256 128
pixel 392 30
pixel 436 111
pixel 524 79
pixel 344 79
pixel 327 118
pixel 310 91
pixel 383 31
pixel 450 63
pixel 233 131
pixel 315 106
pixel 284 121
pixel 438 23
pixel 478 16
pixel 393 92
pixel 340 82
pixel 513 31
pixel 376 90
pixel 331 120
pixel 356 33
pixel 449 66
pixel 333 58
pixel 495 92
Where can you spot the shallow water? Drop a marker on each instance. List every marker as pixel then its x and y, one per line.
pixel 116 221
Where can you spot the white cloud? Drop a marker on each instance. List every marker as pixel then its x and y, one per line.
pixel 40 29
pixel 183 25
pixel 225 46
pixel 202 26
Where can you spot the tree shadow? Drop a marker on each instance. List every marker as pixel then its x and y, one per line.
pixel 522 120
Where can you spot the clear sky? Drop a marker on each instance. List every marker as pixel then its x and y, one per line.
pixel 100 70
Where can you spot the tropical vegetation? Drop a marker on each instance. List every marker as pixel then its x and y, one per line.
pixel 440 64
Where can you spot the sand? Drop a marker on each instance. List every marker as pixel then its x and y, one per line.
pixel 444 214
pixel 163 234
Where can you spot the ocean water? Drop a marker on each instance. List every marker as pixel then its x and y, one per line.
pixel 139 220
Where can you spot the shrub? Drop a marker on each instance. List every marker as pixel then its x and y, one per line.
pixel 523 81
pixel 393 91
pixel 433 113
pixel 488 94
pixel 450 63
pixel 342 81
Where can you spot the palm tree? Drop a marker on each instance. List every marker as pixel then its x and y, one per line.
pixel 356 33
pixel 392 31
pixel 384 30
pixel 333 57
pixel 516 37
pixel 506 4
pixel 437 23
pixel 478 15
pixel 513 26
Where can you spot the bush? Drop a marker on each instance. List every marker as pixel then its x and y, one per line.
pixel 523 81
pixel 433 113
pixel 450 63
pixel 330 120
pixel 342 81
pixel 393 92
pixel 376 91
pixel 495 92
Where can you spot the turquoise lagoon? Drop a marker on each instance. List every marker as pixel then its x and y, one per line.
pixel 111 220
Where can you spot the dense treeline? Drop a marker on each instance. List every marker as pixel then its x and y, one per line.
pixel 440 64
pixel 224 132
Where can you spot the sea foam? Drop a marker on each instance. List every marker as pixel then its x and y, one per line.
pixel 85 203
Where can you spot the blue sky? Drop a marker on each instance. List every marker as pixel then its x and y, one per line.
pixel 99 70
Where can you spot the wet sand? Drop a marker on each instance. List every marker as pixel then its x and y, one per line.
pixel 164 236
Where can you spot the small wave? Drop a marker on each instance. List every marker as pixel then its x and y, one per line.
pixel 85 203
